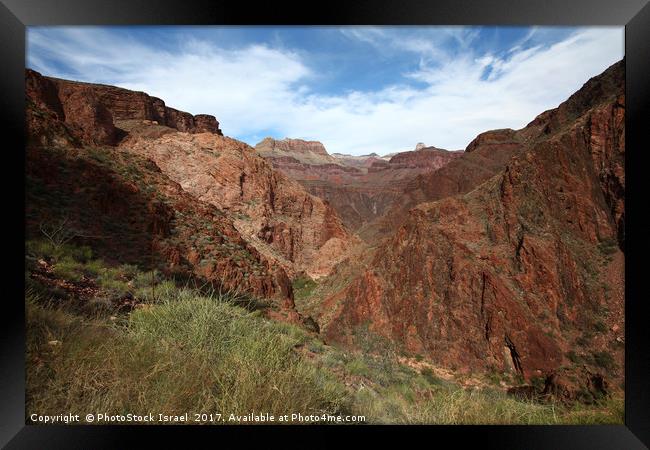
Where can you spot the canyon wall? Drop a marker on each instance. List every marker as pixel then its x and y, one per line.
pixel 360 188
pixel 517 265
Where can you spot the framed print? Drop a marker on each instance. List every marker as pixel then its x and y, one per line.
pixel 369 218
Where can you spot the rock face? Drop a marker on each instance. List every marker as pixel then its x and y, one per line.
pixel 130 212
pixel 424 157
pixel 298 231
pixel 519 268
pixel 484 157
pixel 363 161
pixel 85 117
pixel 308 149
pixel 205 123
pixel 97 105
pixel 359 188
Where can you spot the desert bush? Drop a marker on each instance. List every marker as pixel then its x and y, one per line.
pixel 357 366
pixel 608 246
pixel 600 327
pixel 303 287
pixel 430 376
pixel 604 360
pixel 573 357
pixel 41 248
pixel 69 269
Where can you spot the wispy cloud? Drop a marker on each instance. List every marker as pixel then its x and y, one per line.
pixel 450 94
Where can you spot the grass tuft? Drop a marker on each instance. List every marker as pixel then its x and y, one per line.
pixel 188 350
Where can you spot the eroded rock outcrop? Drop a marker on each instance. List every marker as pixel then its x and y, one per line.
pixel 124 206
pixel 523 270
pixel 424 157
pixel 298 231
pixel 91 108
pixel 86 119
pixel 309 150
pixel 359 188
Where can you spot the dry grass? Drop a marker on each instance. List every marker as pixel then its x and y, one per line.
pixel 187 352
pixel 195 355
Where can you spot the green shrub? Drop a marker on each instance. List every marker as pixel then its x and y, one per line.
pixel 42 248
pixel 69 269
pixel 604 360
pixel 538 382
pixel 128 271
pixel 608 246
pixel 357 366
pixel 303 287
pixel 585 339
pixel 316 346
pixel 573 357
pixel 333 359
pixel 92 268
pixel 600 327
pixel 431 377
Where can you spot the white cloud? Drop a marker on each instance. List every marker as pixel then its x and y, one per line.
pixel 263 88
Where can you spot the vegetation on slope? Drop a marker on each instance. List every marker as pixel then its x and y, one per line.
pixel 177 349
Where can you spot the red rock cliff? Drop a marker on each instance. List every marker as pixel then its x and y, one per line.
pixel 125 206
pixel 360 189
pixel 298 231
pixel 96 105
pixel 523 269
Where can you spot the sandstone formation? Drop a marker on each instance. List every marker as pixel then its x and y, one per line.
pixel 359 161
pixel 84 117
pixel 359 188
pixel 518 264
pixel 93 108
pixel 423 157
pixel 298 231
pixel 304 151
pixel 504 257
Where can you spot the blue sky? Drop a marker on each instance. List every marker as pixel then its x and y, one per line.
pixel 356 89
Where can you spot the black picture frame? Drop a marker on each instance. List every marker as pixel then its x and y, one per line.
pixel 15 15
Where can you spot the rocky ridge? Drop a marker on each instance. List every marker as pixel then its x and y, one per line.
pixel 518 267
pixel 359 188
pixel 243 228
pixel 296 230
pixel 92 112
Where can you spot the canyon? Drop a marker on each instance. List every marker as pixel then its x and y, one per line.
pixel 507 256
pixel 159 184
pixel 516 265
pixel 360 189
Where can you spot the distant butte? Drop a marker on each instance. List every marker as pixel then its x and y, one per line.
pixel 359 188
